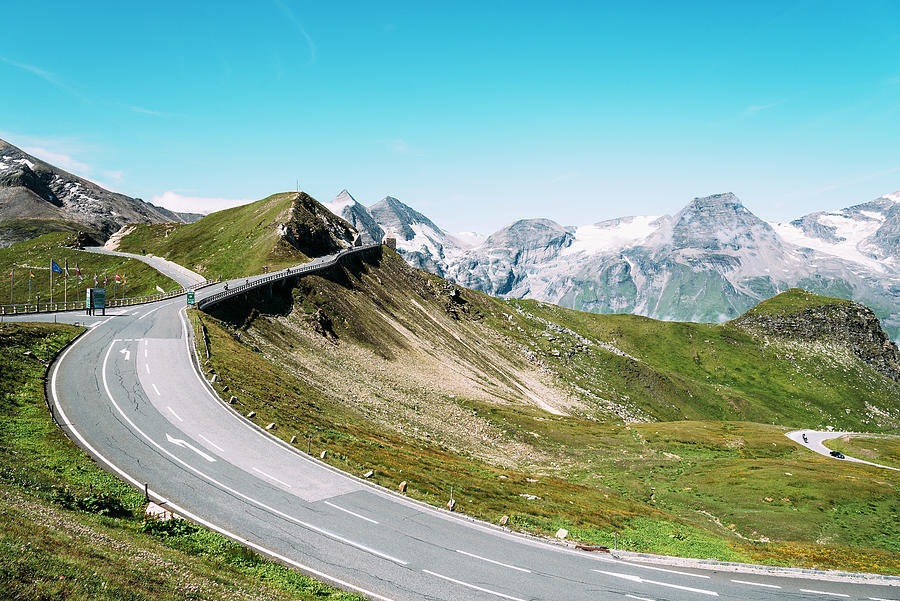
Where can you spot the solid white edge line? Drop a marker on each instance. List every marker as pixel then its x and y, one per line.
pixel 640 565
pixel 226 488
pixel 499 563
pixel 211 443
pixel 755 583
pixel 177 508
pixel 638 579
pixel 271 477
pixel 353 513
pixel 178 417
pixel 806 590
pixel 472 586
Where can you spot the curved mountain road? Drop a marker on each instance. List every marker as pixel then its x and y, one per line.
pixel 130 392
pixel 816 443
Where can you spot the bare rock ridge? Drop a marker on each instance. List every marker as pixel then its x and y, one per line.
pixel 845 323
pixel 31 189
pixel 313 229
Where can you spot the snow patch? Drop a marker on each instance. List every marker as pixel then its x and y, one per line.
pixel 612 236
pixel 853 231
pixel 895 196
pixel 467 240
pixel 340 202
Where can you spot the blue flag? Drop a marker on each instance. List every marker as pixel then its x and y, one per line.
pixel 56 268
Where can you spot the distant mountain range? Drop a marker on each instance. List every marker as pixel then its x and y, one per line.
pixel 709 262
pixel 36 197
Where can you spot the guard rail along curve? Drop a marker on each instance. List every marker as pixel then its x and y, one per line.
pixel 284 274
pixel 79 305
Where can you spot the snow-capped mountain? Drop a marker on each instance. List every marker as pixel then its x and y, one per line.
pixel 709 262
pixel 31 189
pixel 344 205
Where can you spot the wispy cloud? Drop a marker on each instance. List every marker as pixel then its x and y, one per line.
pixel 47 76
pixel 564 177
pixel 146 111
pixel 401 146
pixel 289 14
pixel 186 203
pixel 756 108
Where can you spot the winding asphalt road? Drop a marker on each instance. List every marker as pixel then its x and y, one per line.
pixel 130 392
pixel 816 443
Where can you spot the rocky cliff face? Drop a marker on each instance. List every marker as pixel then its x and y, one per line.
pixel 313 229
pixel 845 323
pixel 34 190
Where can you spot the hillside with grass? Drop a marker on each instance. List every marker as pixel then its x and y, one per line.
pixel 671 434
pixel 69 530
pixel 34 256
pixel 275 232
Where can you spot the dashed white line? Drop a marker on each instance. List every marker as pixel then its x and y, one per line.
pixel 271 477
pixel 472 586
pixel 879 599
pixel 805 590
pixel 646 567
pixel 147 367
pixel 223 486
pixel 172 411
pixel 638 579
pixel 640 598
pixel 211 443
pixel 145 351
pixel 756 584
pixel 156 390
pixel 493 561
pixel 353 513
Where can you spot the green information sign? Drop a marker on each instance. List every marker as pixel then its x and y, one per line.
pixel 190 297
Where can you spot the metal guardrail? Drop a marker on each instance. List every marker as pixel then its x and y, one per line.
pixel 24 308
pixel 282 275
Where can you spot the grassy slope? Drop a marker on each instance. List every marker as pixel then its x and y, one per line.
pixel 35 255
pixel 792 301
pixel 69 530
pixel 232 243
pixel 693 487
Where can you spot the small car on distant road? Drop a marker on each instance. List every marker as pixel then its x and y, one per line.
pixel 837 454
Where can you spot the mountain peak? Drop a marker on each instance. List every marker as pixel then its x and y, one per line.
pixel 893 196
pixel 719 222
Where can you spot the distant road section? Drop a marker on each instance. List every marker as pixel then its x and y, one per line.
pixel 816 442
pixel 184 276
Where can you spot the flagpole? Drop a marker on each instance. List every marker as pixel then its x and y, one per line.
pixel 11 280
pixel 51 281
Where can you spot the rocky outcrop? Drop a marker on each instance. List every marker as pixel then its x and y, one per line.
pixel 313 229
pixel 845 323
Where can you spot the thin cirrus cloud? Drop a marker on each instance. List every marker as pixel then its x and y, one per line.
pixel 289 14
pixel 47 76
pixel 756 108
pixel 185 203
pixel 155 113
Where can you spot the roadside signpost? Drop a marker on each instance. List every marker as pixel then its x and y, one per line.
pixel 190 297
pixel 96 299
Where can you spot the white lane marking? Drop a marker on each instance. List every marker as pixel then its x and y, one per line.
pixel 211 443
pixel 178 417
pixel 147 366
pixel 806 590
pixel 472 586
pixel 271 477
pixel 156 390
pixel 152 311
pixel 126 352
pixel 505 565
pixel 879 599
pixel 174 506
pixel 645 581
pixel 339 508
pixel 640 565
pixel 640 598
pixel 756 584
pixel 145 350
pixel 187 445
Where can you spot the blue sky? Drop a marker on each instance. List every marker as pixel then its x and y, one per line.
pixel 476 114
